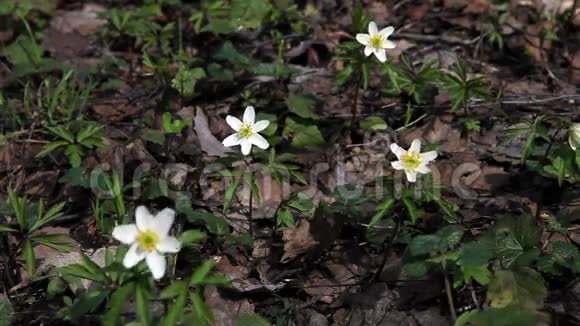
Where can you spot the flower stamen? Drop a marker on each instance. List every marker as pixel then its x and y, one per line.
pixel 376 41
pixel 246 131
pixel 147 240
pixel 411 160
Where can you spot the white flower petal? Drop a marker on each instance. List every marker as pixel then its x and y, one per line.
pixel 234 122
pixel 411 176
pixel 143 218
pixel 157 264
pixel 381 55
pixel 163 221
pixel 369 50
pixel 387 31
pixel 169 245
pixel 259 141
pixel 125 233
pixel 389 44
pixel 398 165
pixel 373 30
pixel 363 38
pixel 428 156
pixel 261 125
pixel 133 256
pixel 415 146
pixel 423 169
pixel 249 115
pixel 397 150
pixel 231 140
pixel 246 146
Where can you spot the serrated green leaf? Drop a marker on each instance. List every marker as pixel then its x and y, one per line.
pixel 523 287
pixel 475 254
pixel 303 106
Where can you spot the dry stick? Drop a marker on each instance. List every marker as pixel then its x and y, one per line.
pixel 448 291
pixel 435 38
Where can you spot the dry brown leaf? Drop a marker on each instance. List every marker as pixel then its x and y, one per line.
pixel 209 143
pixel 297 241
pixel 83 22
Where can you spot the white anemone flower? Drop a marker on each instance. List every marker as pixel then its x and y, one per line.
pixel 574 136
pixel 377 41
pixel 149 239
pixel 412 161
pixel 246 131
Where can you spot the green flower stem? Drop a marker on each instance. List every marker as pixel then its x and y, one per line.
pixel 250 216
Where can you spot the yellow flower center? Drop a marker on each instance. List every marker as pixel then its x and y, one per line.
pixel 411 160
pixel 147 240
pixel 376 41
pixel 246 131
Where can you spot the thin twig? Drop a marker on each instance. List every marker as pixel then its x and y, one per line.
pixel 449 293
pixel 435 38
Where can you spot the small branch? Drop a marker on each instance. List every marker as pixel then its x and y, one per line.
pixel 435 38
pixel 449 292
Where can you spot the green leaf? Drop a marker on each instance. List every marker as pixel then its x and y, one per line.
pixel 51 147
pixel 252 320
pixel 201 310
pixel 523 287
pixel 450 234
pixel 426 244
pixel 175 312
pixel 221 280
pixel 373 123
pixel 51 240
pixel 201 272
pixel 6 311
pixel 229 194
pixel 74 153
pixel 173 289
pixel 81 271
pixel 142 297
pixel 481 274
pixel 309 136
pixel 475 254
pixel 24 52
pixel 304 133
pixel 63 133
pixel 76 177
pixel 154 136
pixel 219 26
pixel 414 212
pixel 56 287
pixel 285 218
pixel 192 236
pixel 382 209
pixel 303 106
pixel 117 302
pixel 416 268
pixel 88 131
pixel 6 228
pixel 508 316
pixel 88 302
